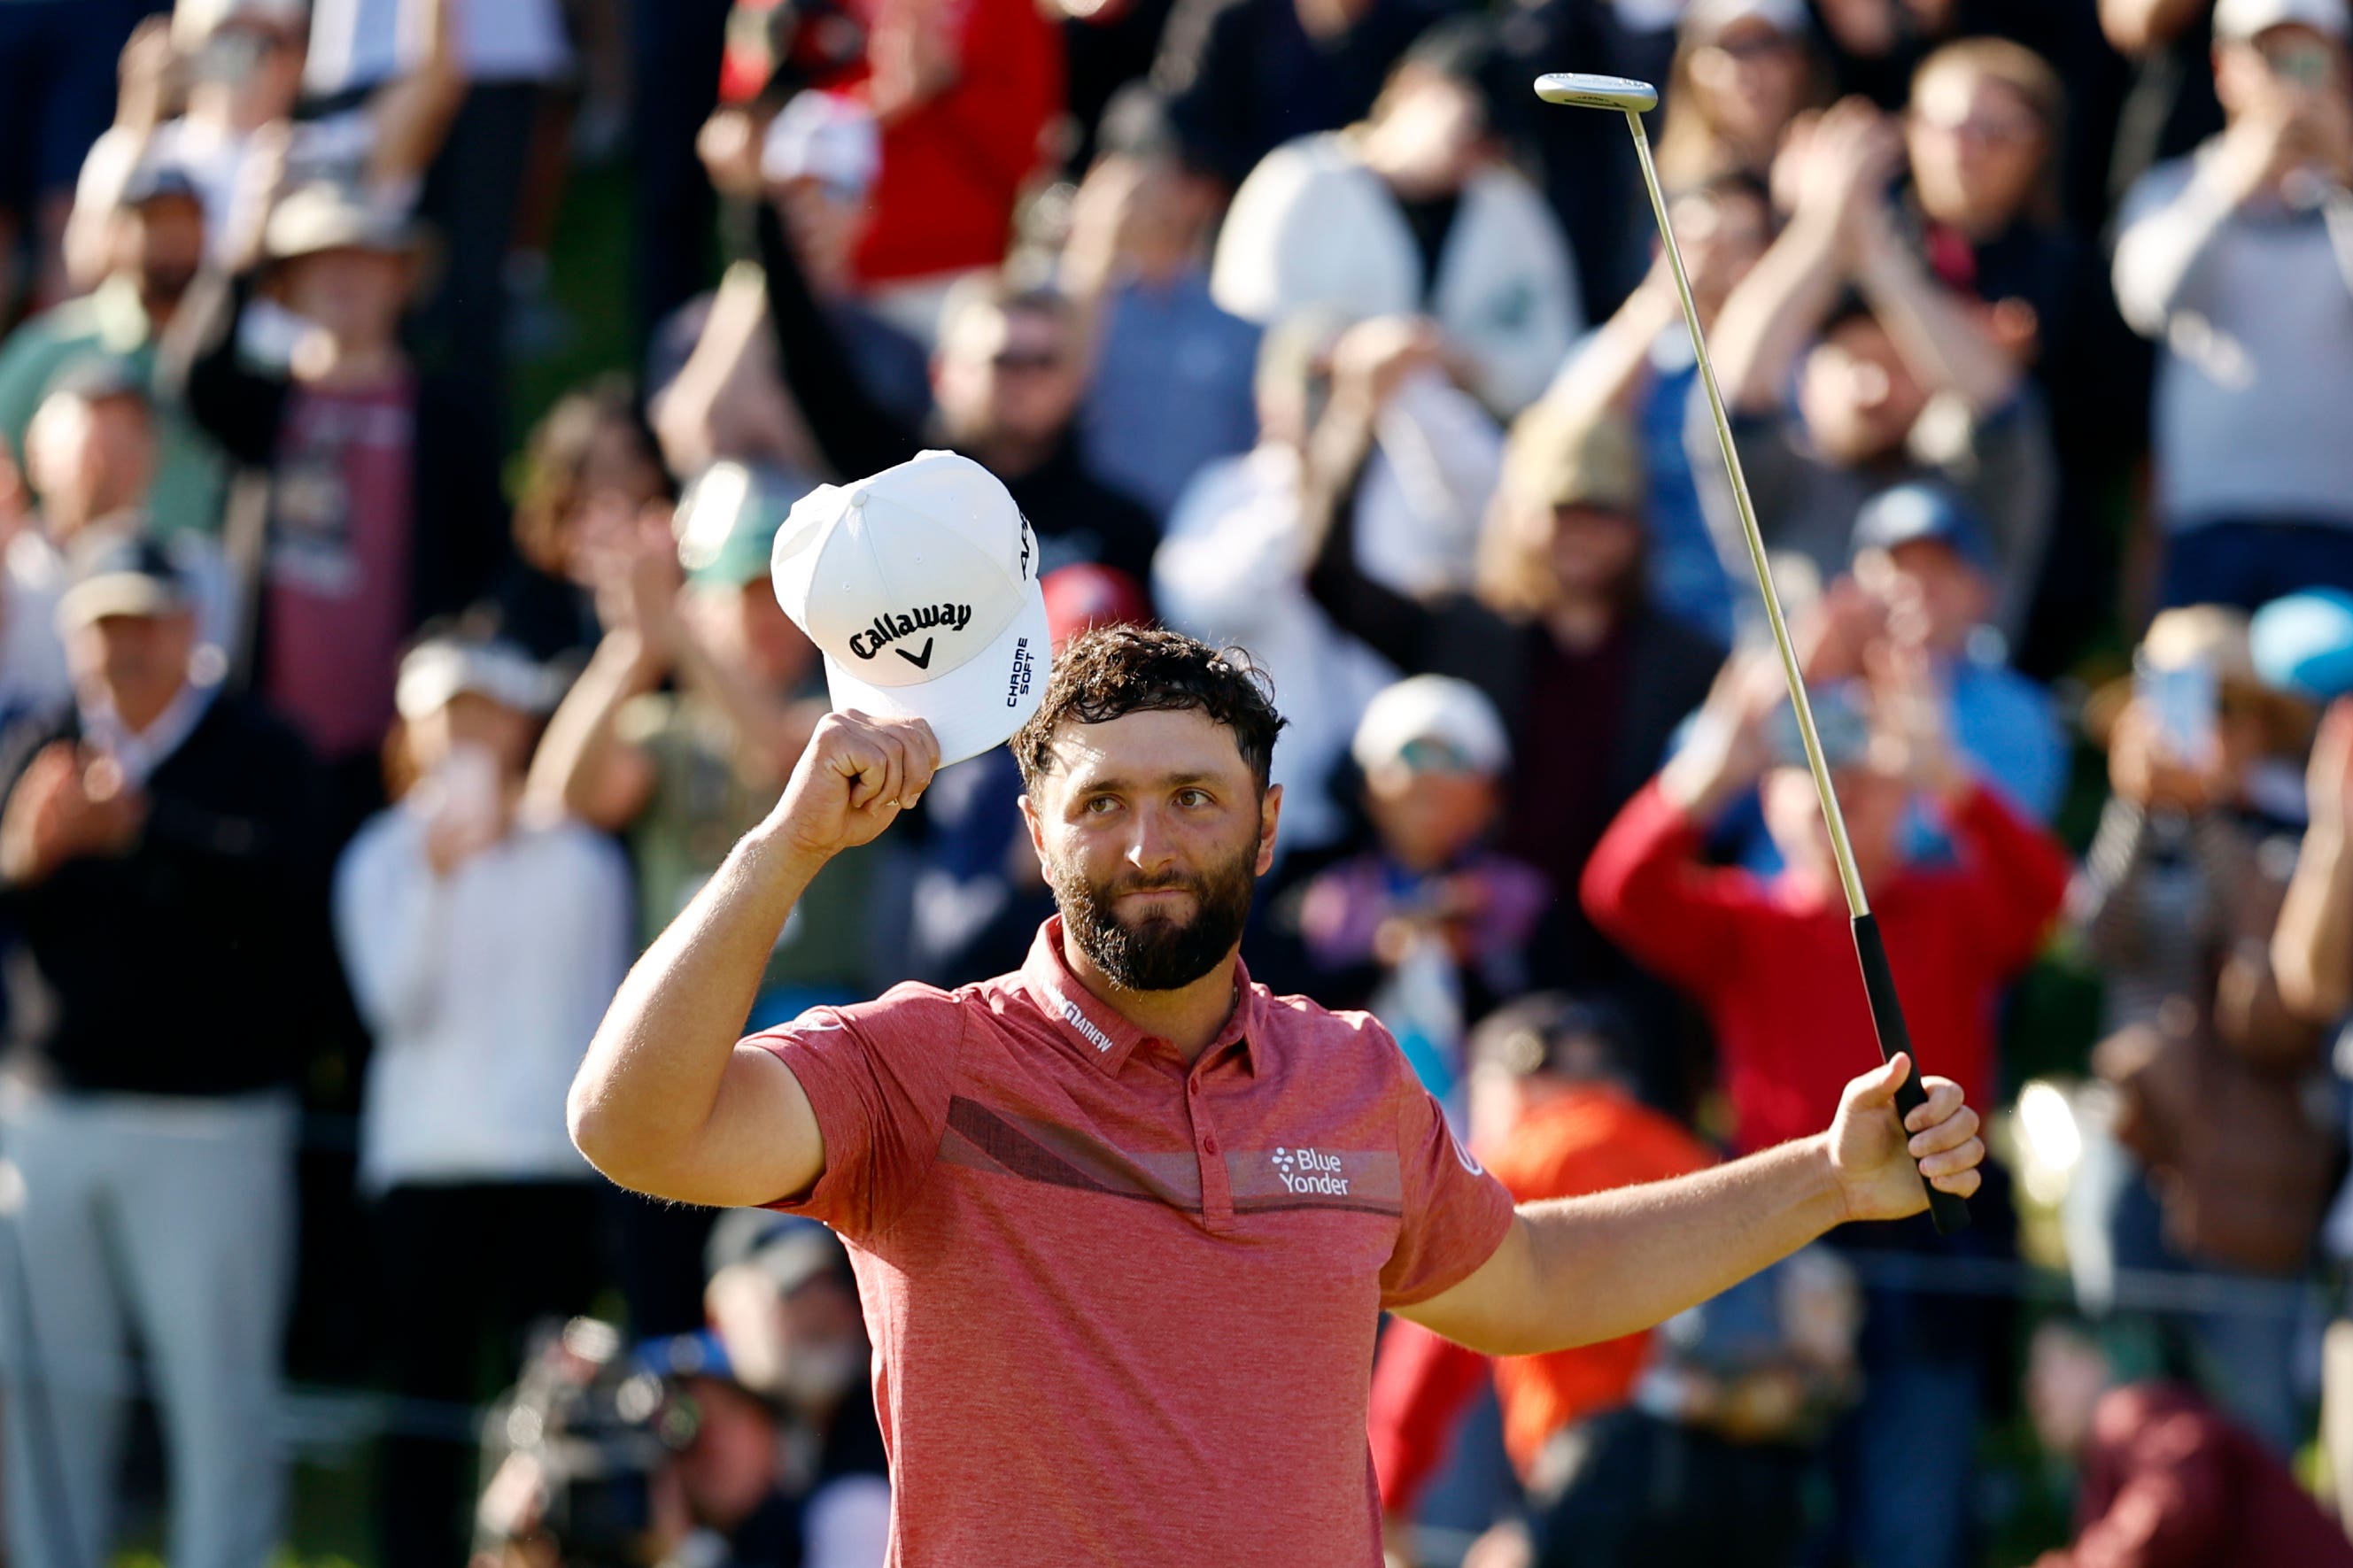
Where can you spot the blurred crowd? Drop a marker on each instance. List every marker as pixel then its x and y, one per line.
pixel 361 719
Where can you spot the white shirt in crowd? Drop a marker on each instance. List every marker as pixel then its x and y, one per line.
pixel 1231 568
pixel 359 43
pixel 1311 226
pixel 482 988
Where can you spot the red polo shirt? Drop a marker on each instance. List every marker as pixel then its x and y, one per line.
pixel 1122 1309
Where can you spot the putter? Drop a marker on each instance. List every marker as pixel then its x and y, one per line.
pixel 1631 99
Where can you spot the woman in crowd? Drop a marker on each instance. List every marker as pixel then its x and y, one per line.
pixel 482 943
pixel 1743 70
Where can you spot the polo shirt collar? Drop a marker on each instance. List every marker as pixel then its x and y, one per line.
pixel 1102 1033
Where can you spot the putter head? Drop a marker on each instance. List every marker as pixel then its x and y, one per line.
pixel 1598 91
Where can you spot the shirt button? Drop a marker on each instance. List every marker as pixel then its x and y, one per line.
pixel 1210 1144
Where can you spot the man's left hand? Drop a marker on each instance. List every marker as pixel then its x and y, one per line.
pixel 1879 1168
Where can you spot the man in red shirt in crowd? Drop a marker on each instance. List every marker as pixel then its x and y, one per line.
pixel 1123 1221
pixel 1772 959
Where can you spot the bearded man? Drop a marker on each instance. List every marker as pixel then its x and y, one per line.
pixel 1123 1222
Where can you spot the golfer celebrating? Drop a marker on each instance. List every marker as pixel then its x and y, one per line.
pixel 1123 1221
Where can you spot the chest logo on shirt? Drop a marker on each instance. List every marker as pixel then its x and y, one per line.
pixel 1310 1170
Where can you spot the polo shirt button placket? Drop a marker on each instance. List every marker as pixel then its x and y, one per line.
pixel 1217 1192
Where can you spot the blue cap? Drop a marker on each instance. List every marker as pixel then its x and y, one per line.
pixel 2303 643
pixel 1905 513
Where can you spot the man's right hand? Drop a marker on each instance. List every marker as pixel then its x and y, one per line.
pixel 854 777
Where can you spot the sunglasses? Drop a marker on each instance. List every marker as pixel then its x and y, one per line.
pixel 2304 64
pixel 1018 362
pixel 1425 754
pixel 1752 47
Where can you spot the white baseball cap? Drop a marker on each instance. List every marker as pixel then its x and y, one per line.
pixel 1454 713
pixel 920 587
pixel 2239 20
pixel 816 136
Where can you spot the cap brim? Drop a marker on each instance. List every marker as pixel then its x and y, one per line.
pixel 117 594
pixel 974 707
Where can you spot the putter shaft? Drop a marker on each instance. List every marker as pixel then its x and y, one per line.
pixel 1843 851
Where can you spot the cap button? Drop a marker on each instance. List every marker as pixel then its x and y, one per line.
pixel 858 497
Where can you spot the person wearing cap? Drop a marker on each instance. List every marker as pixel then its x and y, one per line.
pixel 154 246
pixel 1170 392
pixel 2210 1160
pixel 382 507
pixel 1770 960
pixel 1008 371
pixel 2233 260
pixel 1743 70
pixel 1562 633
pixel 481 940
pixel 1428 928
pixel 1922 552
pixel 92 459
pixel 1123 1217
pixel 242 62
pixel 1847 366
pixel 1414 211
pixel 163 842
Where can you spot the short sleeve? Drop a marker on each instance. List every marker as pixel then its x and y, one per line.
pixel 879 1077
pixel 1456 1214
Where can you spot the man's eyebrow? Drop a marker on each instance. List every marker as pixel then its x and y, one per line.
pixel 1113 785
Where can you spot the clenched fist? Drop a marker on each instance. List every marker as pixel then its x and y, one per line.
pixel 854 777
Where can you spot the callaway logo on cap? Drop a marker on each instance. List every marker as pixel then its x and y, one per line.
pixel 920 586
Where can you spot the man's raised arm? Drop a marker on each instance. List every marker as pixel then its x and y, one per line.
pixel 664 1103
pixel 1579 1270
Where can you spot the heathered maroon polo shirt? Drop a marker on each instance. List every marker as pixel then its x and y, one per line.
pixel 1123 1309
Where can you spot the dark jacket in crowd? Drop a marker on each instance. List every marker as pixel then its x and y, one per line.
pixel 1077 517
pixel 197 964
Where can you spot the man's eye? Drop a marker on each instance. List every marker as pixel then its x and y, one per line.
pixel 1193 797
pixel 1099 804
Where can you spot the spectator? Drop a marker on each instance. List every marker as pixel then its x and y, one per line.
pixel 162 838
pixel 1414 211
pixel 382 506
pixel 1984 133
pixel 91 459
pixel 56 78
pixel 2231 256
pixel 155 244
pixel 1553 1116
pixel 1743 70
pixel 963 96
pixel 1430 929
pixel 1772 962
pixel 1898 379
pixel 1560 633
pixel 1232 569
pixel 1922 556
pixel 675 52
pixel 483 944
pixel 1639 364
pixel 2217 1165
pixel 243 62
pixel 1170 391
pixel 783 1305
pixel 818 158
pixel 1246 76
pixel 1007 378
pixel 2166 1481
pixel 590 467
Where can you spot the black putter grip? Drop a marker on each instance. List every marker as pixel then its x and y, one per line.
pixel 1951 1214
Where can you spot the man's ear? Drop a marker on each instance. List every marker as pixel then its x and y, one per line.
pixel 1268 811
pixel 1035 824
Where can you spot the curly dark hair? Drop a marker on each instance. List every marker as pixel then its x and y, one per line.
pixel 1113 671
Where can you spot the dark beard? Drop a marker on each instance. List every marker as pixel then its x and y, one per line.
pixel 1160 953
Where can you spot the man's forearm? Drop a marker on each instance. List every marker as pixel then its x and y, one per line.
pixel 1774 313
pixel 2312 947
pixel 1936 336
pixel 652 1075
pixel 1577 1271
pixel 1621 1262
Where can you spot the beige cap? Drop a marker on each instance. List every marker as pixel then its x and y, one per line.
pixel 1594 462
